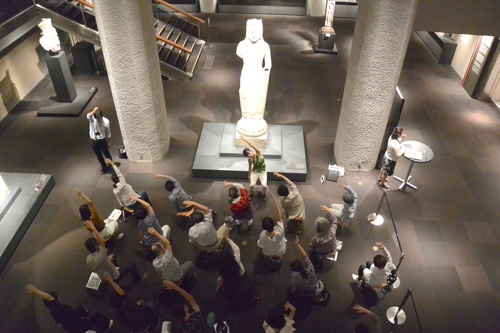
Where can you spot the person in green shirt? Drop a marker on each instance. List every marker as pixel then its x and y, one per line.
pixel 256 169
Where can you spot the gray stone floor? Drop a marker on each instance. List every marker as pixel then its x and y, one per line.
pixel 448 228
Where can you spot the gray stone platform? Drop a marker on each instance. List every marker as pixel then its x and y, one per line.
pixel 217 157
pixel 21 210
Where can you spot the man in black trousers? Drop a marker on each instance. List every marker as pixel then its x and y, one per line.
pixel 100 136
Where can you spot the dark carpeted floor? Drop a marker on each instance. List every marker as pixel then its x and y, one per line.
pixel 448 228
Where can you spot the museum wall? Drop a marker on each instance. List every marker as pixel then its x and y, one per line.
pixel 458 16
pixel 463 53
pixel 20 71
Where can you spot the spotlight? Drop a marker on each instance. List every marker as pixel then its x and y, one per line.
pixel 375 219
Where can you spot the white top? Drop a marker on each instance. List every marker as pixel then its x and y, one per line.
pixel 203 233
pixel 110 228
pixel 288 328
pixel 123 190
pixel 237 256
pixel 275 246
pixel 393 149
pixel 168 267
pixel 102 128
pixel 376 277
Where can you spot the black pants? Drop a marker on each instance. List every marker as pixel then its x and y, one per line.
pixel 362 268
pixel 132 270
pixel 101 147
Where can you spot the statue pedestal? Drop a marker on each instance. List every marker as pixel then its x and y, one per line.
pixel 259 141
pixel 326 41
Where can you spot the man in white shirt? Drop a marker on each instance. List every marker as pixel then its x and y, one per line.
pixel 272 239
pixel 203 234
pixel 375 274
pixel 100 136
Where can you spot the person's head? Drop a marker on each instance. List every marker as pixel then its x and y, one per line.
pixel 169 185
pixel 322 226
pixel 268 224
pixel 179 310
pixel 254 30
pixel 198 216
pixel 228 267
pixel 115 179
pixel 158 249
pixel 85 212
pixel 379 261
pixel 361 328
pixel 98 116
pixel 140 212
pixel 233 192
pixel 348 198
pixel 50 304
pixel 297 266
pixel 283 190
pixel 116 301
pixel 92 245
pixel 275 318
pixel 396 134
pixel 248 153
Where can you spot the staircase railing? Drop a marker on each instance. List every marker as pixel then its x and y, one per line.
pixel 180 47
pixel 197 19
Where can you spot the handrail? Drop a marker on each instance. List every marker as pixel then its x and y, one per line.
pixel 83 2
pixel 174 44
pixel 176 9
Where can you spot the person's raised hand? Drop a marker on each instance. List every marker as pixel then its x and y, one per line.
pixel 343 186
pixel 111 257
pixel 78 192
pixel 324 208
pixel 360 309
pixel 380 245
pixel 169 285
pixel 30 288
pixel 159 176
pixel 153 232
pixel 89 225
pixel 225 184
pixel 297 240
pixel 288 306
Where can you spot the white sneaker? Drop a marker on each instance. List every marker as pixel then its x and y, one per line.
pixel 250 222
pixel 355 278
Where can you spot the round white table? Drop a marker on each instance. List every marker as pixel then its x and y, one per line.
pixel 415 152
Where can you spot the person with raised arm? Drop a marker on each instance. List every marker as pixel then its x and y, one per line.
pixel 192 319
pixel 279 322
pixel 203 234
pixel 178 195
pixel 100 136
pixel 108 229
pixel 256 168
pixel 145 215
pixel 293 204
pixel 239 204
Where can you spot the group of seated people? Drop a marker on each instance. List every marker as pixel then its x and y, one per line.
pixel 236 279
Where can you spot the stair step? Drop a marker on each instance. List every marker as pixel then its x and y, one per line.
pixel 193 59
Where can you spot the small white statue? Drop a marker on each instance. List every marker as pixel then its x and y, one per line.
pixel 49 40
pixel 4 190
pixel 330 10
pixel 254 80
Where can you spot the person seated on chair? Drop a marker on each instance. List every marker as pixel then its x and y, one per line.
pixel 324 241
pixel 375 274
pixel 178 195
pixel 346 211
pixel 192 321
pixel 137 317
pixel 293 204
pixel 238 285
pixel 124 191
pixel 272 239
pixel 278 321
pixel 239 204
pixel 107 229
pixel 146 218
pixel 362 327
pixel 166 264
pixel 203 235
pixel 303 276
pixel 256 169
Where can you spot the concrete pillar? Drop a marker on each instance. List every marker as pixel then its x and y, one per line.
pixel 126 29
pixel 380 40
